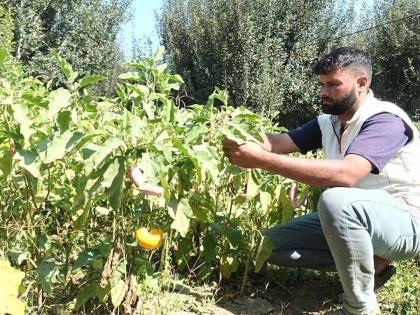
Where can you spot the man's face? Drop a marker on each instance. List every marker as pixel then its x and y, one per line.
pixel 338 91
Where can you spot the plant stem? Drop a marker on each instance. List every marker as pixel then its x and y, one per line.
pixel 247 263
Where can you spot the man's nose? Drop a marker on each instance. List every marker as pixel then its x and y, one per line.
pixel 325 92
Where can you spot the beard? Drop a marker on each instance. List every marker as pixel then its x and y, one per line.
pixel 339 105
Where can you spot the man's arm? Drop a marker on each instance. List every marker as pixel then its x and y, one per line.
pixel 346 172
pixel 301 139
pixel 278 143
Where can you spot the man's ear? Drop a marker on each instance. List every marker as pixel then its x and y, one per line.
pixel 363 82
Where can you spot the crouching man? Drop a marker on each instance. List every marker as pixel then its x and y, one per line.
pixel 370 215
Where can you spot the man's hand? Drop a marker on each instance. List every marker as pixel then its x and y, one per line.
pixel 247 155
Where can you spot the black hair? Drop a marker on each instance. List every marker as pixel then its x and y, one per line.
pixel 344 58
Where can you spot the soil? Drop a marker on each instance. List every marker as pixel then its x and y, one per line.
pixel 292 293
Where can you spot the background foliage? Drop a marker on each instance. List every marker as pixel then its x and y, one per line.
pixel 263 51
pixel 82 31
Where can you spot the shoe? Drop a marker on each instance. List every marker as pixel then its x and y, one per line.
pixel 380 279
pixel 384 276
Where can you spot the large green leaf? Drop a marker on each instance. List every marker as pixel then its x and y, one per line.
pixel 58 100
pixel 86 257
pixel 101 152
pixel 264 251
pixel 110 174
pixel 29 161
pixel 180 211
pixel 6 160
pixel 195 132
pixel 265 201
pixel 115 192
pixel 85 294
pixel 252 187
pixel 91 79
pixel 65 67
pixel 60 145
pixel 187 151
pixel 209 247
pixel 287 212
pixel 133 76
pixel 207 161
pixel 118 290
pixel 48 273
pixel 22 116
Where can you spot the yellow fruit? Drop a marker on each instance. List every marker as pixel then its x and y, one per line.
pixel 149 239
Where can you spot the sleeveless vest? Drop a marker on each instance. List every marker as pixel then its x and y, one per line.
pixel 400 176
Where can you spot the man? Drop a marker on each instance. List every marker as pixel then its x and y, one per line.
pixel 371 215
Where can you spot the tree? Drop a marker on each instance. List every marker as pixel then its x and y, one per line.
pixel 395 50
pixel 9 68
pixel 261 51
pixel 84 32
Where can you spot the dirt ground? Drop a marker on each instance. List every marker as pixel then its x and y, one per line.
pixel 271 293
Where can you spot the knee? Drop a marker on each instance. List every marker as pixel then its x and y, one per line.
pixel 331 204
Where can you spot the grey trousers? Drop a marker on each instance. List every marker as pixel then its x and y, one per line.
pixel 351 226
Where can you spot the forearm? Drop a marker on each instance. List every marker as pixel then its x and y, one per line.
pixel 309 171
pixel 278 143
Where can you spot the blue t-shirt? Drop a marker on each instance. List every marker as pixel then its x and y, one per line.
pixel 380 137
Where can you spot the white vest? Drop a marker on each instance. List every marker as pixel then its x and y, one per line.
pixel 400 176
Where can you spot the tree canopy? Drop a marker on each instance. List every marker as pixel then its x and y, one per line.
pixel 84 32
pixel 263 51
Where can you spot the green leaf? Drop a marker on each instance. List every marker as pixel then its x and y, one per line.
pixel 86 257
pixel 232 134
pixel 265 200
pixel 29 161
pixel 11 279
pixel 132 76
pixel 169 112
pixel 241 129
pixel 159 53
pixel 110 174
pixel 63 120
pixel 6 160
pixel 180 211
pixel 81 217
pixel 252 188
pixel 65 67
pixel 195 132
pixel 264 251
pixel 91 79
pixel 207 161
pixel 85 294
pixel 22 116
pixel 58 100
pixel 209 248
pixel 60 145
pixel 287 212
pixel 101 152
pixel 118 291
pixel 48 273
pixel 18 257
pixel 186 150
pixel 115 192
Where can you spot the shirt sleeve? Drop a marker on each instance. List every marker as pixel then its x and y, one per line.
pixel 380 138
pixel 307 137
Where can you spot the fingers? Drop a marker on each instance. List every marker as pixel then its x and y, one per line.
pixel 227 143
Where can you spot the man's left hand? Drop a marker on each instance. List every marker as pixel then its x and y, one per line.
pixel 247 155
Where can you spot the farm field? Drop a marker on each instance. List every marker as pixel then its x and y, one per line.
pixel 81 173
